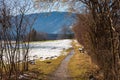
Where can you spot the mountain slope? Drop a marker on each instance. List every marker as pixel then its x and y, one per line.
pixel 52 22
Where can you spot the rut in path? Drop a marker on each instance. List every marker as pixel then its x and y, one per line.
pixel 62 72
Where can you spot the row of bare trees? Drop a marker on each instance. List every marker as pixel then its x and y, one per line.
pixel 65 33
pixel 98 31
pixel 37 36
pixel 14 26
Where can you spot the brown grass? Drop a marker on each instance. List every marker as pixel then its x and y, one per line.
pixel 80 65
pixel 47 67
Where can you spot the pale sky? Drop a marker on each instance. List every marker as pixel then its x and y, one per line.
pixel 43 6
pixel 57 6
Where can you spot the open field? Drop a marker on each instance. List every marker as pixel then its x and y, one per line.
pixel 44 50
pixel 46 66
pixel 49 50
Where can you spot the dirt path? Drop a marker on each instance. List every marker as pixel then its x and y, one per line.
pixel 62 72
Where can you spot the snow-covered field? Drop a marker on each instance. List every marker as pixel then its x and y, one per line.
pixel 48 49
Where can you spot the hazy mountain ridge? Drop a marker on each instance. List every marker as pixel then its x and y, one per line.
pixel 52 22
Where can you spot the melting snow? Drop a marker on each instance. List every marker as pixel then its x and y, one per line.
pixel 45 50
pixel 49 49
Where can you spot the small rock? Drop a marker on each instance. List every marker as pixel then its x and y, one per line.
pixel 32 62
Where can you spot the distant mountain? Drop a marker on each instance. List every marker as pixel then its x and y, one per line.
pixel 52 22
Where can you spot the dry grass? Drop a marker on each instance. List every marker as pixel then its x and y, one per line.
pixel 47 67
pixel 80 65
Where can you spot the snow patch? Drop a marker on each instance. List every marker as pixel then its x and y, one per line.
pixel 48 50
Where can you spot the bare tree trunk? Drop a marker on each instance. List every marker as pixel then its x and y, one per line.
pixel 13 31
pixel 99 25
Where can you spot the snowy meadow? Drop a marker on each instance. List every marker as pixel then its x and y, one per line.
pixel 48 49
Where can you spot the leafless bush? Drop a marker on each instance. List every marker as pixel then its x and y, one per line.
pixel 14 26
pixel 96 30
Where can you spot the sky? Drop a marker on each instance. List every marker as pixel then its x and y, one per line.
pixel 58 5
pixel 38 7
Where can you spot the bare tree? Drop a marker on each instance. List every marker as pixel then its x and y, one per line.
pixel 100 35
pixel 41 36
pixel 14 26
pixel 36 36
pixel 65 33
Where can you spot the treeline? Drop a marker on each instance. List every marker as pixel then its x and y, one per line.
pixel 98 30
pixel 37 36
pixel 65 33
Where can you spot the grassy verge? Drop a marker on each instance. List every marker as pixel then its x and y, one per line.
pixel 44 68
pixel 80 65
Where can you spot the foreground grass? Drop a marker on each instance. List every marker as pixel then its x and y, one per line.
pixel 80 65
pixel 47 67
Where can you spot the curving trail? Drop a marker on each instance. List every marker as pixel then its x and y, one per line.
pixel 62 72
